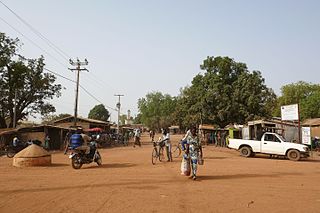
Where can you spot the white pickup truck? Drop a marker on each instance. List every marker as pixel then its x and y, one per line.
pixel 272 144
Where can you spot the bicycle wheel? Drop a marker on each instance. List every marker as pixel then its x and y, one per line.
pixel 176 151
pixel 154 156
pixel 161 155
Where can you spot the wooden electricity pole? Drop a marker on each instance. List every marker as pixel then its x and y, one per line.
pixel 78 68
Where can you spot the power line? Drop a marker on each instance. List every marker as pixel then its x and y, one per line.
pixel 49 43
pixel 57 74
pixel 84 89
pixel 33 42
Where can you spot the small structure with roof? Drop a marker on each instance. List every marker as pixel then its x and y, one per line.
pixel 85 123
pixel 174 129
pixel 33 155
pixel 256 128
pixel 314 124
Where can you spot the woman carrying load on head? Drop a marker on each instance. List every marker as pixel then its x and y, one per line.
pixel 194 151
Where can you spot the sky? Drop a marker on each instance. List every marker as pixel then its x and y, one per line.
pixel 142 46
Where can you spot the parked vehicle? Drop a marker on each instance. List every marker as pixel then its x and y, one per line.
pixel 12 150
pixel 272 144
pixel 79 157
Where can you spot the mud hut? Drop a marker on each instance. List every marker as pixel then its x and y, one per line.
pixel 33 155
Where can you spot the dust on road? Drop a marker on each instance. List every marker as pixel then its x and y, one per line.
pixel 128 182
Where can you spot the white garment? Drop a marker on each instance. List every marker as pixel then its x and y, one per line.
pixel 188 133
pixel 166 139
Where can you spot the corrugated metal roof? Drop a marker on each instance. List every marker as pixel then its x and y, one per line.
pixel 83 119
pixel 312 122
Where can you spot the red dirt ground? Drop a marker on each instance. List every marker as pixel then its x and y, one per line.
pixel 128 182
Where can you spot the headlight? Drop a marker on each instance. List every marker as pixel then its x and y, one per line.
pixel 306 149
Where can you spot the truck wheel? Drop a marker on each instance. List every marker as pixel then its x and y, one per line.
pixel 245 151
pixel 293 155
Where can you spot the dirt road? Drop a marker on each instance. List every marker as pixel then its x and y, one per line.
pixel 128 182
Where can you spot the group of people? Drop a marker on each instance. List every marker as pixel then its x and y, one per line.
pixel 190 143
pixel 191 146
pixel 17 143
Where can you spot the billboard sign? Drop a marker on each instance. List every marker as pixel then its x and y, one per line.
pixel 306 135
pixel 290 112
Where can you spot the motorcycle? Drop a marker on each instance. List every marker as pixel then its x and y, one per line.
pixel 12 150
pixel 79 157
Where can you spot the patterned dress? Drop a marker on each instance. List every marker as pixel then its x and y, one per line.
pixel 194 149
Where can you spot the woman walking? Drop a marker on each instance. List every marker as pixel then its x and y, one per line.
pixel 194 150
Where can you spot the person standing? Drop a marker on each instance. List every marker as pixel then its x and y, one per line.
pixel 47 142
pixel 167 142
pixel 137 138
pixel 152 133
pixel 194 151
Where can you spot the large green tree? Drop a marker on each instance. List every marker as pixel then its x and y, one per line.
pixel 23 80
pixel 306 94
pixel 227 92
pixel 156 110
pixel 99 112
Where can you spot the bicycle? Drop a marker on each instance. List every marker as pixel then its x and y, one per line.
pixel 157 152
pixel 176 151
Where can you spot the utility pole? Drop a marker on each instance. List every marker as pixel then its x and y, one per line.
pixel 15 109
pixel 118 106
pixel 78 68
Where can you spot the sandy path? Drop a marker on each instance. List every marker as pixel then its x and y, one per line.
pixel 128 182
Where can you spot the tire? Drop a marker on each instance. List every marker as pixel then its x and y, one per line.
pixel 98 159
pixel 161 155
pixel 10 153
pixel 154 156
pixel 245 151
pixel 75 162
pixel 294 155
pixel 177 151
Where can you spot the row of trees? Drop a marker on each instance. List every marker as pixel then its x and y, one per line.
pixel 227 92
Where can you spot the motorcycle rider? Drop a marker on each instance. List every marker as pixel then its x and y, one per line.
pixel 80 141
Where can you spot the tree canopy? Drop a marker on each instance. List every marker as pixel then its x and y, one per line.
pixel 49 118
pixel 156 110
pixel 99 112
pixel 306 94
pixel 227 92
pixel 23 80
